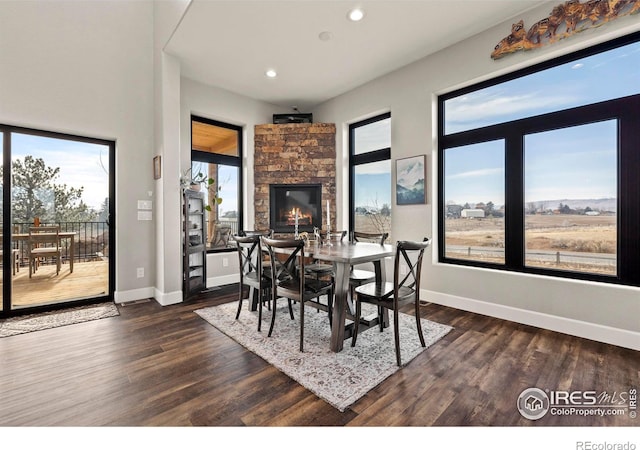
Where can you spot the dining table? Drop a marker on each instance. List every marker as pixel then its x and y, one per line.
pixel 71 235
pixel 343 255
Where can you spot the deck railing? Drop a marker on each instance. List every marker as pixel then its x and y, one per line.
pixel 91 242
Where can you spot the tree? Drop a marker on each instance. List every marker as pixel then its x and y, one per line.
pixel 36 194
pixel 488 209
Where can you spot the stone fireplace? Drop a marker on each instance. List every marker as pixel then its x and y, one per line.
pixel 300 154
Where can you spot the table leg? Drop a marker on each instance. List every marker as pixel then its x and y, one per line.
pixel 73 251
pixel 340 306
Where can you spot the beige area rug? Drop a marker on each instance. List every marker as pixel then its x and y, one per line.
pixel 43 321
pixel 338 378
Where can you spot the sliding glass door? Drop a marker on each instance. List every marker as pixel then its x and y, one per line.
pixel 56 219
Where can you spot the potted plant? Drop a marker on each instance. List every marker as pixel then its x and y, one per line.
pixel 194 182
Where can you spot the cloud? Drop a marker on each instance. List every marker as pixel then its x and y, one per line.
pixel 463 112
pixel 477 173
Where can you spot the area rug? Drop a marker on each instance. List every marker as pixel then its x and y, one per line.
pixel 43 321
pixel 338 378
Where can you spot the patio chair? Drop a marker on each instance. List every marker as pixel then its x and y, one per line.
pixel 44 242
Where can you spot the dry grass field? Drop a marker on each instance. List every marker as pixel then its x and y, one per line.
pixel 374 224
pixel 543 233
pixel 552 232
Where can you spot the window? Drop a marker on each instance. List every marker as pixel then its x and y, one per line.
pixel 370 175
pixel 216 152
pixel 537 169
pixel 474 179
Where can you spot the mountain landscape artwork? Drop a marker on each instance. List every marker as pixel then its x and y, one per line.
pixel 410 174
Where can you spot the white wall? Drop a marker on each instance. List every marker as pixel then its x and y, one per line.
pixel 87 68
pixel 227 107
pixel 599 311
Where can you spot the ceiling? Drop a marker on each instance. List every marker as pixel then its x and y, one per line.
pixel 230 44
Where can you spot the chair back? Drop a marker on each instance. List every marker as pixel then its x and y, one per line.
pixel 249 255
pixel 333 236
pixel 411 254
pixel 249 233
pixel 293 266
pixel 44 236
pixel 359 236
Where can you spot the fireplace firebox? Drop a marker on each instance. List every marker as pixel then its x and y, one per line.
pixel 286 199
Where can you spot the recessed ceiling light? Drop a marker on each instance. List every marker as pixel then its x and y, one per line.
pixel 325 36
pixel 271 73
pixel 356 15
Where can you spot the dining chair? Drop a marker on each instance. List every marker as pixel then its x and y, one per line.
pixel 319 269
pixel 15 258
pixel 358 277
pixel 393 295
pixel 267 233
pixel 288 280
pixel 250 257
pixel 44 241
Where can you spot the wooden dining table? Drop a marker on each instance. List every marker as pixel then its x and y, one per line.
pixel 61 235
pixel 343 255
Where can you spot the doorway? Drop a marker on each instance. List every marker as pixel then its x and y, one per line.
pixel 56 215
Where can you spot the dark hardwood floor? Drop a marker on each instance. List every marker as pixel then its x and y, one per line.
pixel 165 366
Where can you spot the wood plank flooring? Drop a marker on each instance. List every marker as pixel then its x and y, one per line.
pixel 165 366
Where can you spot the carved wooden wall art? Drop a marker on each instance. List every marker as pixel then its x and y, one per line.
pixel 565 20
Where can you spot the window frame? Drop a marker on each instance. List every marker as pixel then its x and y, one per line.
pixel 220 159
pixel 624 109
pixel 381 154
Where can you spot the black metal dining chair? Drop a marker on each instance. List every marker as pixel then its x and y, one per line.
pixel 358 277
pixel 393 295
pixel 250 257
pixel 323 270
pixel 288 280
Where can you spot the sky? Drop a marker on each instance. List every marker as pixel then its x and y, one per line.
pixel 81 164
pixel 577 163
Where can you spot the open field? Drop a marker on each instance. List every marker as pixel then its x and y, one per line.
pixel 370 224
pixel 559 241
pixel 553 232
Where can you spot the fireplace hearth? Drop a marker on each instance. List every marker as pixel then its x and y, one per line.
pixel 287 199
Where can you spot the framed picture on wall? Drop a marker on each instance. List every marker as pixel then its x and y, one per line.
pixel 410 180
pixel 157 167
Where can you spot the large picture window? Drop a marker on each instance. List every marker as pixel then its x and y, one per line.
pixel 538 169
pixel 216 152
pixel 370 175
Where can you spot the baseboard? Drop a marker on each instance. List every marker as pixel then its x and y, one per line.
pixel 587 330
pixel 222 280
pixel 133 294
pixel 166 299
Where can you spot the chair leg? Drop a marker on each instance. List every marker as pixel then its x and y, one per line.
pixel 396 334
pixel 301 325
pixel 273 317
pixel 356 322
pixel 240 302
pixel 418 322
pixel 260 297
pixel 290 308
pixel 330 306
